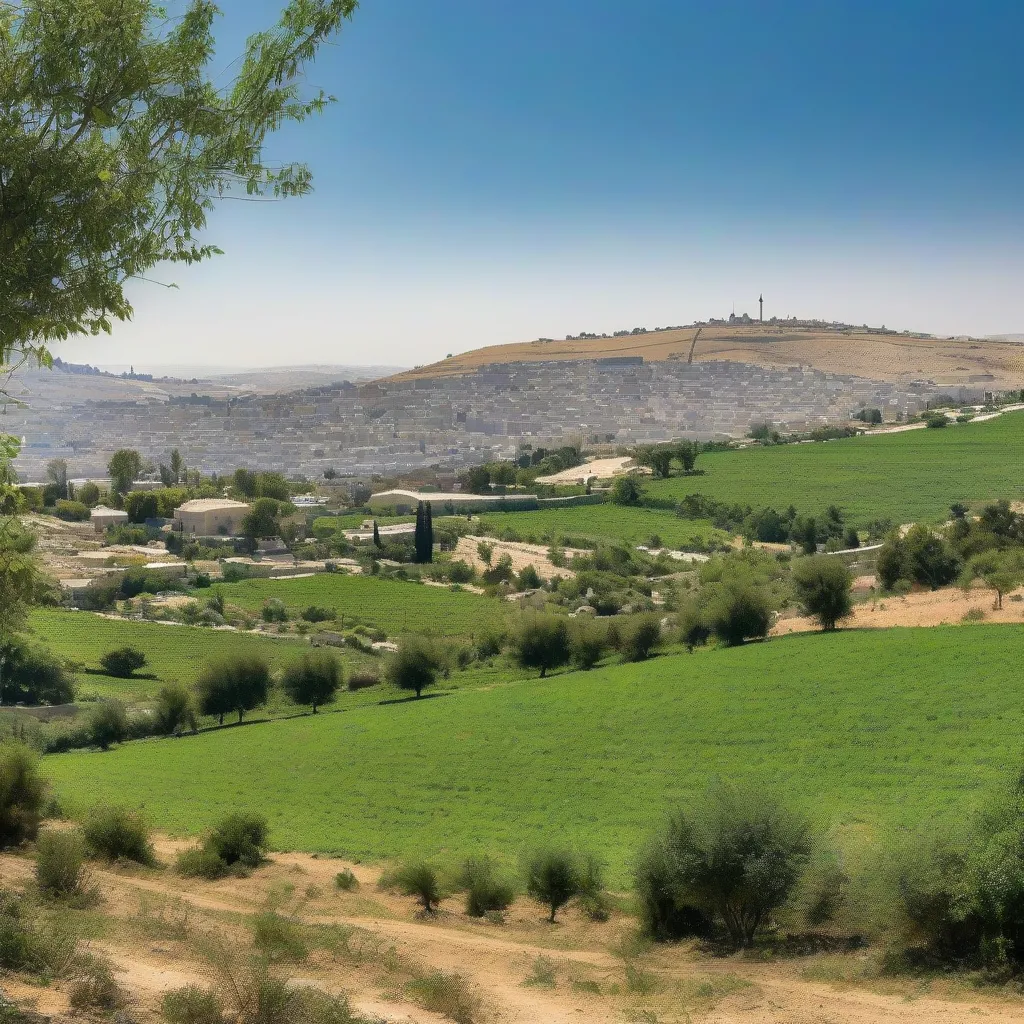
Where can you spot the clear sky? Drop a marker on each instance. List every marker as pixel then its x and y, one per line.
pixel 497 171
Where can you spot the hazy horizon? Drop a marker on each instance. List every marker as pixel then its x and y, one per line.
pixel 488 179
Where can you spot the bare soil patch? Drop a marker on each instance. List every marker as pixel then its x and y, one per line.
pixel 522 555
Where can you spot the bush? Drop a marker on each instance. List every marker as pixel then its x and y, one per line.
pixel 415 665
pixel 345 881
pixel 274 611
pixel 314 679
pixel 736 857
pixel 445 994
pixel 97 990
pixel 192 1005
pixel 529 578
pixel 626 491
pixel 22 792
pixel 542 641
pixel 32 675
pixel 694 630
pixel 552 878
pixel 277 938
pixel 587 642
pixel 314 613
pixel 238 843
pixel 123 662
pixel 419 879
pixel 60 858
pixel 664 915
pixel 592 898
pixel 822 584
pixel 486 893
pixel 72 511
pixel 107 723
pixel 640 638
pixel 116 833
pixel 460 571
pixel 174 710
pixel 361 679
pixel 737 612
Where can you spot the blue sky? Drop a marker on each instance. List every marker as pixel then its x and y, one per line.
pixel 497 171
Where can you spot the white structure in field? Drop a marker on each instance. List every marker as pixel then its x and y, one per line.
pixel 210 517
pixel 101 517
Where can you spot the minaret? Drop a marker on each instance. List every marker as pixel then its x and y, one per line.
pixel 761 303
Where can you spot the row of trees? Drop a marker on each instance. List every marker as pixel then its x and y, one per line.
pixel 660 457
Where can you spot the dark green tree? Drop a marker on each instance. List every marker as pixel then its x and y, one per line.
pixel 542 641
pixel 376 536
pixel 237 684
pixel 314 679
pixel 552 878
pixel 124 468
pixel 415 665
pixel 822 584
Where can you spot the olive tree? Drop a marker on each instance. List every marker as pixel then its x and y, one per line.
pixel 822 584
pixel 415 665
pixel 542 641
pixel 314 679
pixel 552 878
pixel 236 684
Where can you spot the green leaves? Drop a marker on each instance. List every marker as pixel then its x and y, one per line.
pixel 115 141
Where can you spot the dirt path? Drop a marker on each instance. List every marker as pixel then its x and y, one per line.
pixel 582 972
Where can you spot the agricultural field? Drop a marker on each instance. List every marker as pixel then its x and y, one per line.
pixel 911 476
pixel 866 730
pixel 395 606
pixel 176 653
pixel 606 522
pixel 353 520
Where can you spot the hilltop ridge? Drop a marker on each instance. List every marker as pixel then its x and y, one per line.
pixel 874 353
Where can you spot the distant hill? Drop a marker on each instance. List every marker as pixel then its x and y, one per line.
pixel 874 353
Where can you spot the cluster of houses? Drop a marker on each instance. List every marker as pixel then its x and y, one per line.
pixel 398 426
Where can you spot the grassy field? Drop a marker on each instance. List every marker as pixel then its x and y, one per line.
pixel 863 729
pixel 175 653
pixel 907 477
pixel 606 522
pixel 395 606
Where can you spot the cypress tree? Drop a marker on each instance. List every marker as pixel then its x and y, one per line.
pixel 428 545
pixel 376 536
pixel 420 535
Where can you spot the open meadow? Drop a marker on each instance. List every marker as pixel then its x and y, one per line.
pixel 395 606
pixel 907 477
pixel 608 523
pixel 863 729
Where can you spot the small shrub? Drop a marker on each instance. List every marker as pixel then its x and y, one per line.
pixel 587 642
pixel 315 613
pixel 446 994
pixel 237 844
pixel 116 833
pixel 485 892
pixel 640 638
pixel 361 679
pixel 274 611
pixel 107 724
pixel 97 990
pixel 592 897
pixel 60 860
pixel 542 974
pixel 277 938
pixel 123 662
pixel 419 879
pixel 22 792
pixel 345 881
pixel 192 1005
pixel 174 711
pixel 973 615
pixel 552 878
pixel 198 862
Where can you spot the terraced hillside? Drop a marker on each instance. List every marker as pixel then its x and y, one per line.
pixel 873 355
pixel 861 728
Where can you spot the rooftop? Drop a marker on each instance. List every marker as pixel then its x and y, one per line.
pixel 210 505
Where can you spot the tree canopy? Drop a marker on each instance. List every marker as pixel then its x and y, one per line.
pixel 115 140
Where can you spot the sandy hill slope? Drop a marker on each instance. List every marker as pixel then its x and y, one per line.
pixel 881 356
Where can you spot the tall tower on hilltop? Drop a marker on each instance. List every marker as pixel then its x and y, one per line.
pixel 760 302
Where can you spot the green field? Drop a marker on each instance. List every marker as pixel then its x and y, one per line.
pixel 605 523
pixel 175 653
pixel 863 729
pixel 395 606
pixel 907 477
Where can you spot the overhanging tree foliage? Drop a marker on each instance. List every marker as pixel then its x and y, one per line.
pixel 115 141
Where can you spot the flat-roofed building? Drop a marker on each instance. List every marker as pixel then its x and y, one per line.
pixel 101 517
pixel 210 517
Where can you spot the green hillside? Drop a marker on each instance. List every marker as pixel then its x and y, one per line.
pixel 861 727
pixel 396 606
pixel 175 653
pixel 909 476
pixel 606 522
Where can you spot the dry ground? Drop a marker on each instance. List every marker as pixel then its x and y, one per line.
pixel 944 607
pixel 877 356
pixel 522 555
pixel 601 469
pixel 151 926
